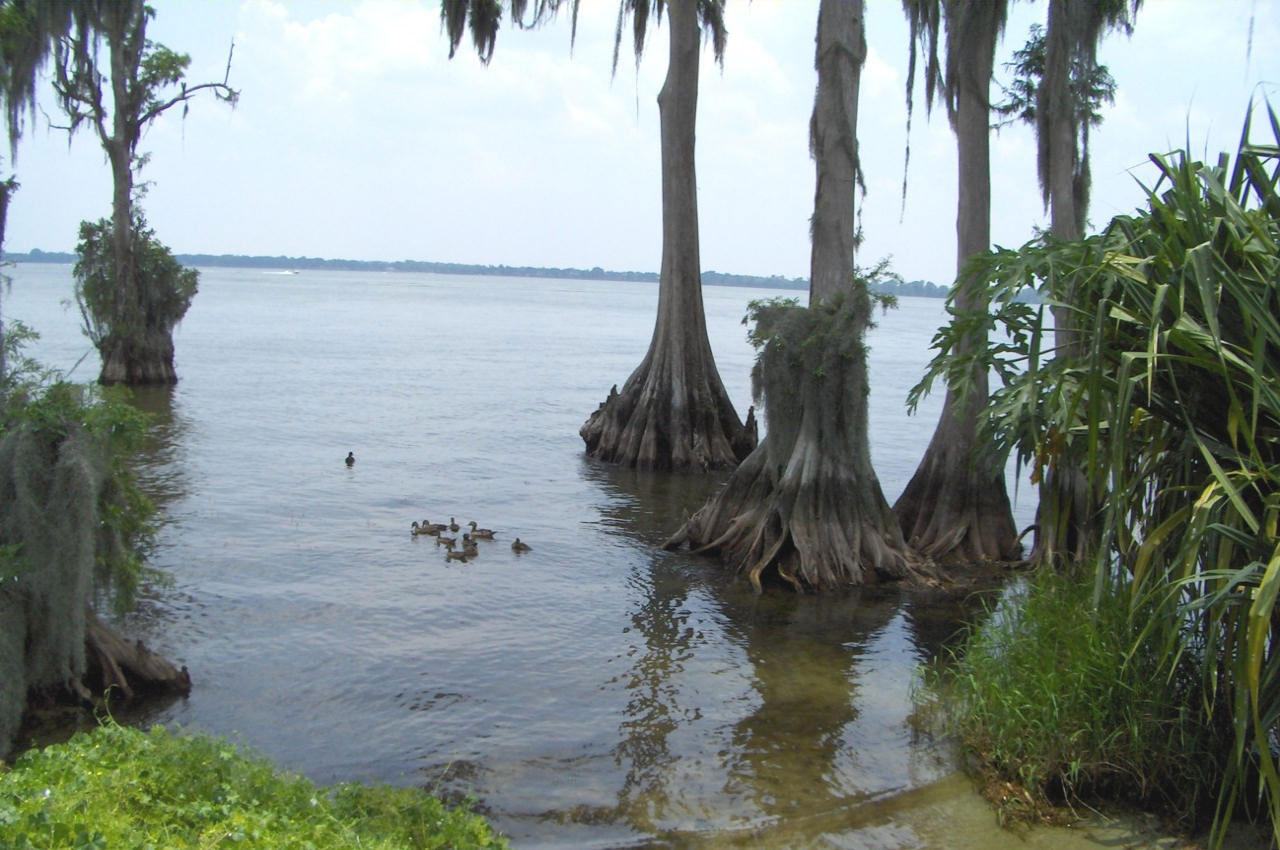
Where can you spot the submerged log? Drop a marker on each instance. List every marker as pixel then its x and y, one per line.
pixel 130 668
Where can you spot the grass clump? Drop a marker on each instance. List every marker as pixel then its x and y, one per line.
pixel 124 788
pixel 1056 705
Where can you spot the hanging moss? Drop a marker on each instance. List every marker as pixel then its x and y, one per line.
pixel 73 531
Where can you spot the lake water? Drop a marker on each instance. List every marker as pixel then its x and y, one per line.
pixel 595 692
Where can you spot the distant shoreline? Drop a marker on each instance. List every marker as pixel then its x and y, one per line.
pixel 709 278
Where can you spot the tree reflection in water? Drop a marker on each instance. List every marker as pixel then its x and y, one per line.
pixel 159 464
pixel 771 719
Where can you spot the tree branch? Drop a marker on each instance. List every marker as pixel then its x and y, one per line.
pixel 187 93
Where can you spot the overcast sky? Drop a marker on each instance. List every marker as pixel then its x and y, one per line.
pixel 357 137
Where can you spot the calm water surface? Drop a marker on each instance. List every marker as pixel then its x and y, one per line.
pixel 595 692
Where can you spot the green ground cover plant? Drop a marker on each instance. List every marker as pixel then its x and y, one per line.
pixel 117 787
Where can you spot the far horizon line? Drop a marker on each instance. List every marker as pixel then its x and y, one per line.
pixel 281 261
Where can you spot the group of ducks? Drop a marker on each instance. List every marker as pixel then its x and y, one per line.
pixel 468 547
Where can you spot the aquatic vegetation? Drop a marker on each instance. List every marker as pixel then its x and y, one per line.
pixel 1064 707
pixel 121 788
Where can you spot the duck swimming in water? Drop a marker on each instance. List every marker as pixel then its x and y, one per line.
pixel 351 458
pixel 480 533
pixel 518 546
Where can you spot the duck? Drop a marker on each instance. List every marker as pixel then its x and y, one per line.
pixel 518 546
pixel 453 524
pixel 351 458
pixel 424 528
pixel 455 555
pixel 469 545
pixel 441 540
pixel 480 533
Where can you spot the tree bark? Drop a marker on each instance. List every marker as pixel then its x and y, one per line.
pixel 673 411
pixel 833 142
pixel 806 503
pixel 956 507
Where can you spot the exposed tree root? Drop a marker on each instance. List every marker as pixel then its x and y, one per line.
pixel 669 419
pixel 955 510
pixel 820 532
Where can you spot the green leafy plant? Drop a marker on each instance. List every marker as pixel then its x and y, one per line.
pixel 124 788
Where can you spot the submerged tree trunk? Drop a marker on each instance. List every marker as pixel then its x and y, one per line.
pixel 806 503
pixel 673 411
pixel 956 507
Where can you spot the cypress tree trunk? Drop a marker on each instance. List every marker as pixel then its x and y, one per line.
pixel 133 351
pixel 139 346
pixel 806 503
pixel 1064 515
pixel 956 506
pixel 673 411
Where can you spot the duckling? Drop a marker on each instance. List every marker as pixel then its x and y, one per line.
pixel 351 458
pixel 454 555
pixel 453 525
pixel 518 546
pixel 480 533
pixel 441 540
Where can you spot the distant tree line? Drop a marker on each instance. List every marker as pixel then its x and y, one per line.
pixel 887 286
